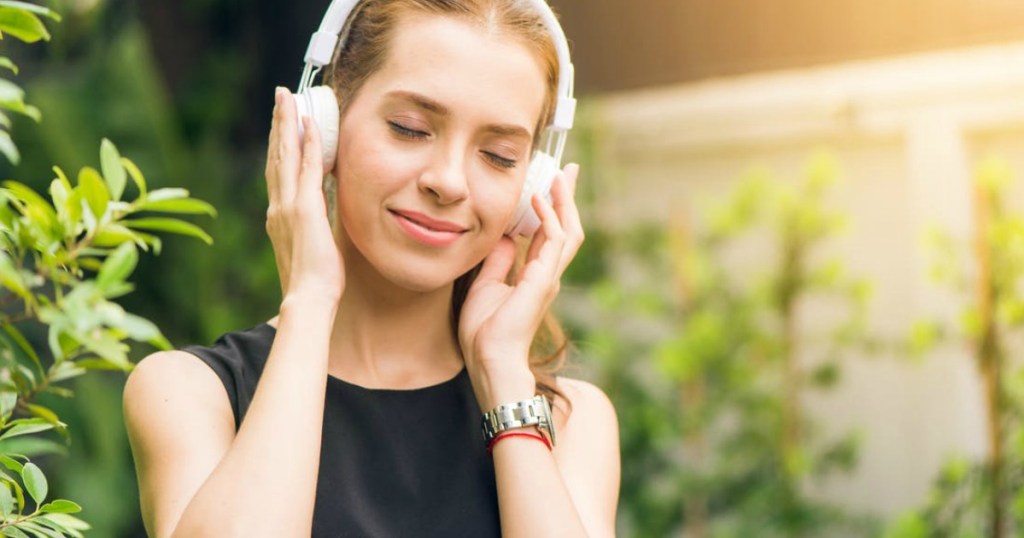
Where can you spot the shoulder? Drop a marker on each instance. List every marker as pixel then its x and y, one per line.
pixel 585 405
pixel 167 385
pixel 165 371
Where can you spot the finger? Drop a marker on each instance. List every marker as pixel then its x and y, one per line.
pixel 310 184
pixel 273 150
pixel 564 202
pixel 288 147
pixel 536 242
pixel 498 263
pixel 544 266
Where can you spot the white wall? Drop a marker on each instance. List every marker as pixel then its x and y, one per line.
pixel 907 132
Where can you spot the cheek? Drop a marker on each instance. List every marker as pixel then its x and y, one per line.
pixel 498 205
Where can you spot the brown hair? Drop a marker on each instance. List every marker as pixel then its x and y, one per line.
pixel 364 51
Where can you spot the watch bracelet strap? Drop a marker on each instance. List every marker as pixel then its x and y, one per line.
pixel 535 411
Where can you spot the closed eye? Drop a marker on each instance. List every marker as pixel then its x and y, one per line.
pixel 499 161
pixel 406 132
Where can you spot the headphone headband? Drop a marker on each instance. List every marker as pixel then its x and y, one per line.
pixel 324 42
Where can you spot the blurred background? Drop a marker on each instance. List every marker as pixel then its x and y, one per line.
pixel 800 286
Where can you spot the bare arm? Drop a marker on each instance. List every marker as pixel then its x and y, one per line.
pixel 572 491
pixel 196 476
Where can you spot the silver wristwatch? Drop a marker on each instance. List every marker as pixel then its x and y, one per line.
pixel 533 412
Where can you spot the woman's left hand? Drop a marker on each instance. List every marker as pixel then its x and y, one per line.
pixel 499 320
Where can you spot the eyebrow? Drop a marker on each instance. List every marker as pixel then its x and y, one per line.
pixel 435 107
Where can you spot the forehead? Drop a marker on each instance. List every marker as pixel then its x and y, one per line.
pixel 475 71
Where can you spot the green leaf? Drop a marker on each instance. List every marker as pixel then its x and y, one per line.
pixel 107 345
pixel 170 225
pixel 8 400
pixel 41 216
pixel 39 530
pixel 60 391
pixel 39 10
pixel 25 429
pixel 6 63
pixel 24 378
pixel 97 364
pixel 19 495
pixel 45 414
pixel 11 463
pixel 8 148
pixel 136 175
pixel 190 206
pixel 151 240
pixel 61 530
pixel 66 370
pixel 166 194
pixel 68 522
pixel 113 235
pixel 94 190
pixel 6 500
pixel 60 506
pixel 113 171
pixel 118 266
pixel 14 532
pixel 53 338
pixel 35 482
pixel 34 445
pixel 142 330
pixel 22 24
pixel 13 279
pixel 18 338
pixel 62 176
pixel 59 193
pixel 19 106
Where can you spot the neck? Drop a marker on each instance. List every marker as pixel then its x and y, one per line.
pixel 386 336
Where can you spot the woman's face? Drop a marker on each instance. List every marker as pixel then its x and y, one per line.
pixel 433 150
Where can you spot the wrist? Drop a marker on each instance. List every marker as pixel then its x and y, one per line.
pixel 505 385
pixel 312 305
pixel 527 417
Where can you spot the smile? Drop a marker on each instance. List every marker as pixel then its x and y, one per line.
pixel 432 232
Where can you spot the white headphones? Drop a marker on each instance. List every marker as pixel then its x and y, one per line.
pixel 320 104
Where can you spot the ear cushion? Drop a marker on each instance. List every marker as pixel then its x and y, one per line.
pixel 320 104
pixel 539 177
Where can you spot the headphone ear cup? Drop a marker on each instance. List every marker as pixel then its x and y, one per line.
pixel 320 104
pixel 539 177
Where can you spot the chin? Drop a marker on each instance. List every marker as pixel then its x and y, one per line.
pixel 422 277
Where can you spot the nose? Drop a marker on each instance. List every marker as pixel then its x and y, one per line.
pixel 445 178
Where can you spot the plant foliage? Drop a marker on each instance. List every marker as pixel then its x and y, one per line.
pixel 64 259
pixel 743 316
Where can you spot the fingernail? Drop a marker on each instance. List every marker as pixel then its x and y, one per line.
pixel 278 95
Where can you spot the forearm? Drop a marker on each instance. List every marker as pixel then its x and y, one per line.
pixel 532 497
pixel 276 453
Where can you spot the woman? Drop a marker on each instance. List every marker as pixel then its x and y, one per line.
pixel 357 410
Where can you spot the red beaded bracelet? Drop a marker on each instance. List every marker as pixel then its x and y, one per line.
pixel 502 435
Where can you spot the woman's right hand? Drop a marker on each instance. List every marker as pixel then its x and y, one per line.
pixel 309 263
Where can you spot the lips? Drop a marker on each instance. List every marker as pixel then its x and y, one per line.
pixel 429 223
pixel 427 230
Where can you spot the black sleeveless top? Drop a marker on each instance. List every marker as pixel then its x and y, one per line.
pixel 393 463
